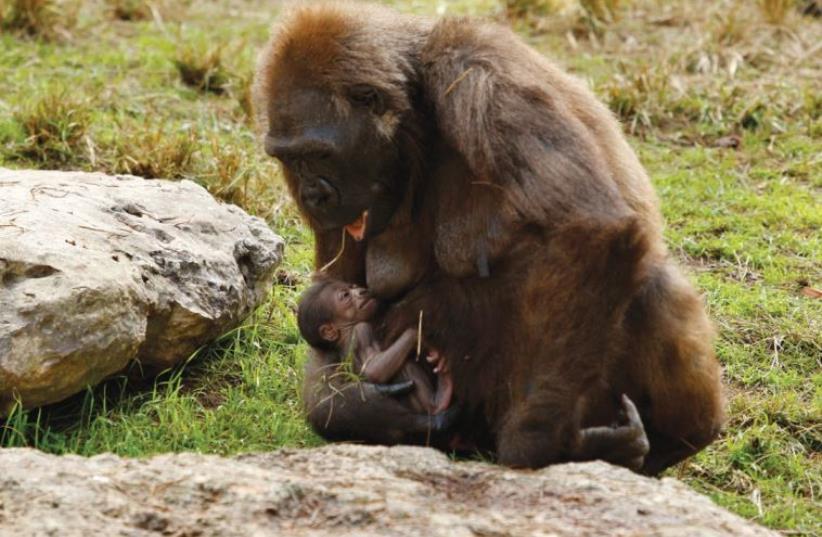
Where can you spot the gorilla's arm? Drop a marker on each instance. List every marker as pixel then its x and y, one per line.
pixel 531 161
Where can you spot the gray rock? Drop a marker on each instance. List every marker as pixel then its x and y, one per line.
pixel 97 270
pixel 343 490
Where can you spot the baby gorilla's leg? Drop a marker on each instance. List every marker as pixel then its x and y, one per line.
pixel 445 392
pixel 445 382
pixel 422 399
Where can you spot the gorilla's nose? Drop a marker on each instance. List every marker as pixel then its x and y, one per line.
pixel 319 195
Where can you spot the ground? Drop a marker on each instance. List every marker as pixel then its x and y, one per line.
pixel 720 99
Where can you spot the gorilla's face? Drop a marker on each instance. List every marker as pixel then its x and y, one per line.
pixel 343 170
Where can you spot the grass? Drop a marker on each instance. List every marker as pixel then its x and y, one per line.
pixel 53 128
pixel 720 99
pixel 129 10
pixel 201 67
pixel 33 18
pixel 776 11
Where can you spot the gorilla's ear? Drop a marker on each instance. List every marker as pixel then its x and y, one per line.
pixel 329 332
pixel 512 118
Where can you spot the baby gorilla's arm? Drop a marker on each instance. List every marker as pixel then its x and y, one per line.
pixel 380 366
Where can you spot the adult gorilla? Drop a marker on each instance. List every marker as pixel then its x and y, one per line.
pixel 498 197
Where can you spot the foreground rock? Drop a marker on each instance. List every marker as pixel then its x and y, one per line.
pixel 96 271
pixel 342 490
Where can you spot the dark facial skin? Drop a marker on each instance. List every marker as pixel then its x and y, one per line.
pixel 351 305
pixel 341 166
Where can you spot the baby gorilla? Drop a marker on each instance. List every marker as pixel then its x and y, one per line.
pixel 335 316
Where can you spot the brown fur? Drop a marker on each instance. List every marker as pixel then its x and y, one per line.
pixel 528 234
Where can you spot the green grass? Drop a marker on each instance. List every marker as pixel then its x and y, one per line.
pixel 108 95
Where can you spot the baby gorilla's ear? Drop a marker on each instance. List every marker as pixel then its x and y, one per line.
pixel 329 332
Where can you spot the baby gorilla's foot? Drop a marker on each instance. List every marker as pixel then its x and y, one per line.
pixel 441 422
pixel 625 443
pixel 445 420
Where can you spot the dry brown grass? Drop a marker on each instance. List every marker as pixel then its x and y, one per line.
pixel 722 70
pixel 47 19
pixel 603 10
pixel 236 175
pixel 55 128
pixel 129 10
pixel 241 90
pixel 201 67
pixel 526 10
pixel 228 176
pixel 776 11
pixel 153 153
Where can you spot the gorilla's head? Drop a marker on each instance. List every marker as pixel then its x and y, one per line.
pixel 336 96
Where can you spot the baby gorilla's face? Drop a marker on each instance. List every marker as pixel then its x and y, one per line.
pixel 351 304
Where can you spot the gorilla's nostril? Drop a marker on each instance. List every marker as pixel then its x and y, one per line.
pixel 321 199
pixel 319 194
pixel 314 200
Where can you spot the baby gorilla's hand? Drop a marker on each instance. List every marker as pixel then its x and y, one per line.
pixel 437 362
pixel 443 421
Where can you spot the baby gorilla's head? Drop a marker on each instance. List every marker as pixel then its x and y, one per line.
pixel 329 308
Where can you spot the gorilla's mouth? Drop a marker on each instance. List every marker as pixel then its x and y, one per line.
pixel 357 228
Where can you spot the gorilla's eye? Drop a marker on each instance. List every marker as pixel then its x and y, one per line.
pixel 367 97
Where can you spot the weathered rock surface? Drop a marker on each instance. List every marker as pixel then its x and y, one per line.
pixel 97 270
pixel 342 490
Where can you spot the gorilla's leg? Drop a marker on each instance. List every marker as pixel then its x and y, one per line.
pixel 544 430
pixel 672 369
